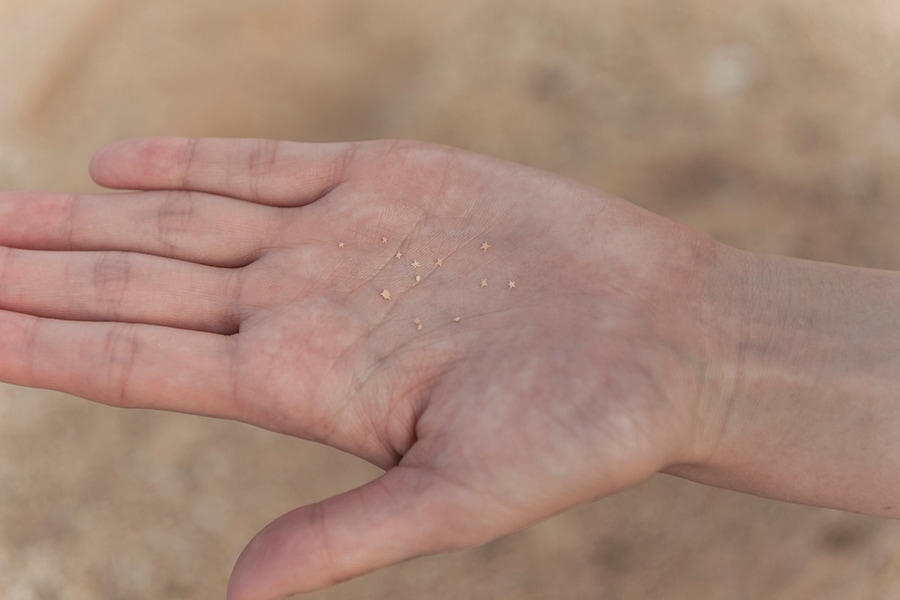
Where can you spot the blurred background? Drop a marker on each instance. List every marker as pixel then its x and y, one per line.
pixel 771 125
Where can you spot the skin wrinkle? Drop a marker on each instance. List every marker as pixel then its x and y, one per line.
pixel 341 358
pixel 234 365
pixel 271 400
pixel 393 451
pixel 449 258
pixel 261 161
pixel 280 223
pixel 243 398
pixel 390 308
pixel 348 398
pixel 729 399
pixel 31 345
pixel 705 321
pixel 378 364
pixel 411 398
pixel 174 218
pixel 260 286
pixel 120 346
pixel 5 259
pixel 74 202
pixel 339 172
pixel 188 156
pixel 462 532
pixel 234 290
pixel 393 152
pixel 111 276
pixel 419 513
pixel 380 270
pixel 443 180
pixel 275 236
pixel 327 557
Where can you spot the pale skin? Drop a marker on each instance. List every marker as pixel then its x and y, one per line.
pixel 263 282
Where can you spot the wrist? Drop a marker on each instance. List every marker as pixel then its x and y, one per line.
pixel 802 401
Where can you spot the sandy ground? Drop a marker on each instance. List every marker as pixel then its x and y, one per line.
pixel 771 125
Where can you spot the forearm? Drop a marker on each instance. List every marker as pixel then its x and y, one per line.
pixel 805 406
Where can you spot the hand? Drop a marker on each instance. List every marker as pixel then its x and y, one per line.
pixel 505 343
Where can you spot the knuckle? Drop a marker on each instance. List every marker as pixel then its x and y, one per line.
pixel 120 348
pixel 262 159
pixel 175 217
pixel 111 276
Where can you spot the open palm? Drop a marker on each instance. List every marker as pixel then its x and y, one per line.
pixel 503 342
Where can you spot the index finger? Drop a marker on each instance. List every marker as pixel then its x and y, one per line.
pixel 263 171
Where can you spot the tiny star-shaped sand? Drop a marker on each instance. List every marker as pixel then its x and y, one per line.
pixel 415 264
pixel 384 240
pixel 398 255
pixel 457 319
pixel 484 283
pixel 418 323
pixel 341 244
pixel 386 295
pixel 485 246
pixel 418 278
pixel 440 262
pixel 511 285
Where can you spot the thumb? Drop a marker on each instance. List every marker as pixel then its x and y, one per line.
pixel 393 518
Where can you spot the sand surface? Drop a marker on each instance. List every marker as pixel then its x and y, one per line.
pixel 771 125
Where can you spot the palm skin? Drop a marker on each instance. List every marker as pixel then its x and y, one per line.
pixel 337 293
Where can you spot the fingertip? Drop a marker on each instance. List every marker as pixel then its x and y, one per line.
pixel 255 575
pixel 135 163
pixel 97 168
pixel 290 556
pixel 379 524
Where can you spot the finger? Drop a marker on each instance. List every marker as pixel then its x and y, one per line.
pixel 120 286
pixel 190 226
pixel 263 171
pixel 392 519
pixel 121 364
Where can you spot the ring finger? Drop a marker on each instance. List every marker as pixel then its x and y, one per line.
pixel 120 286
